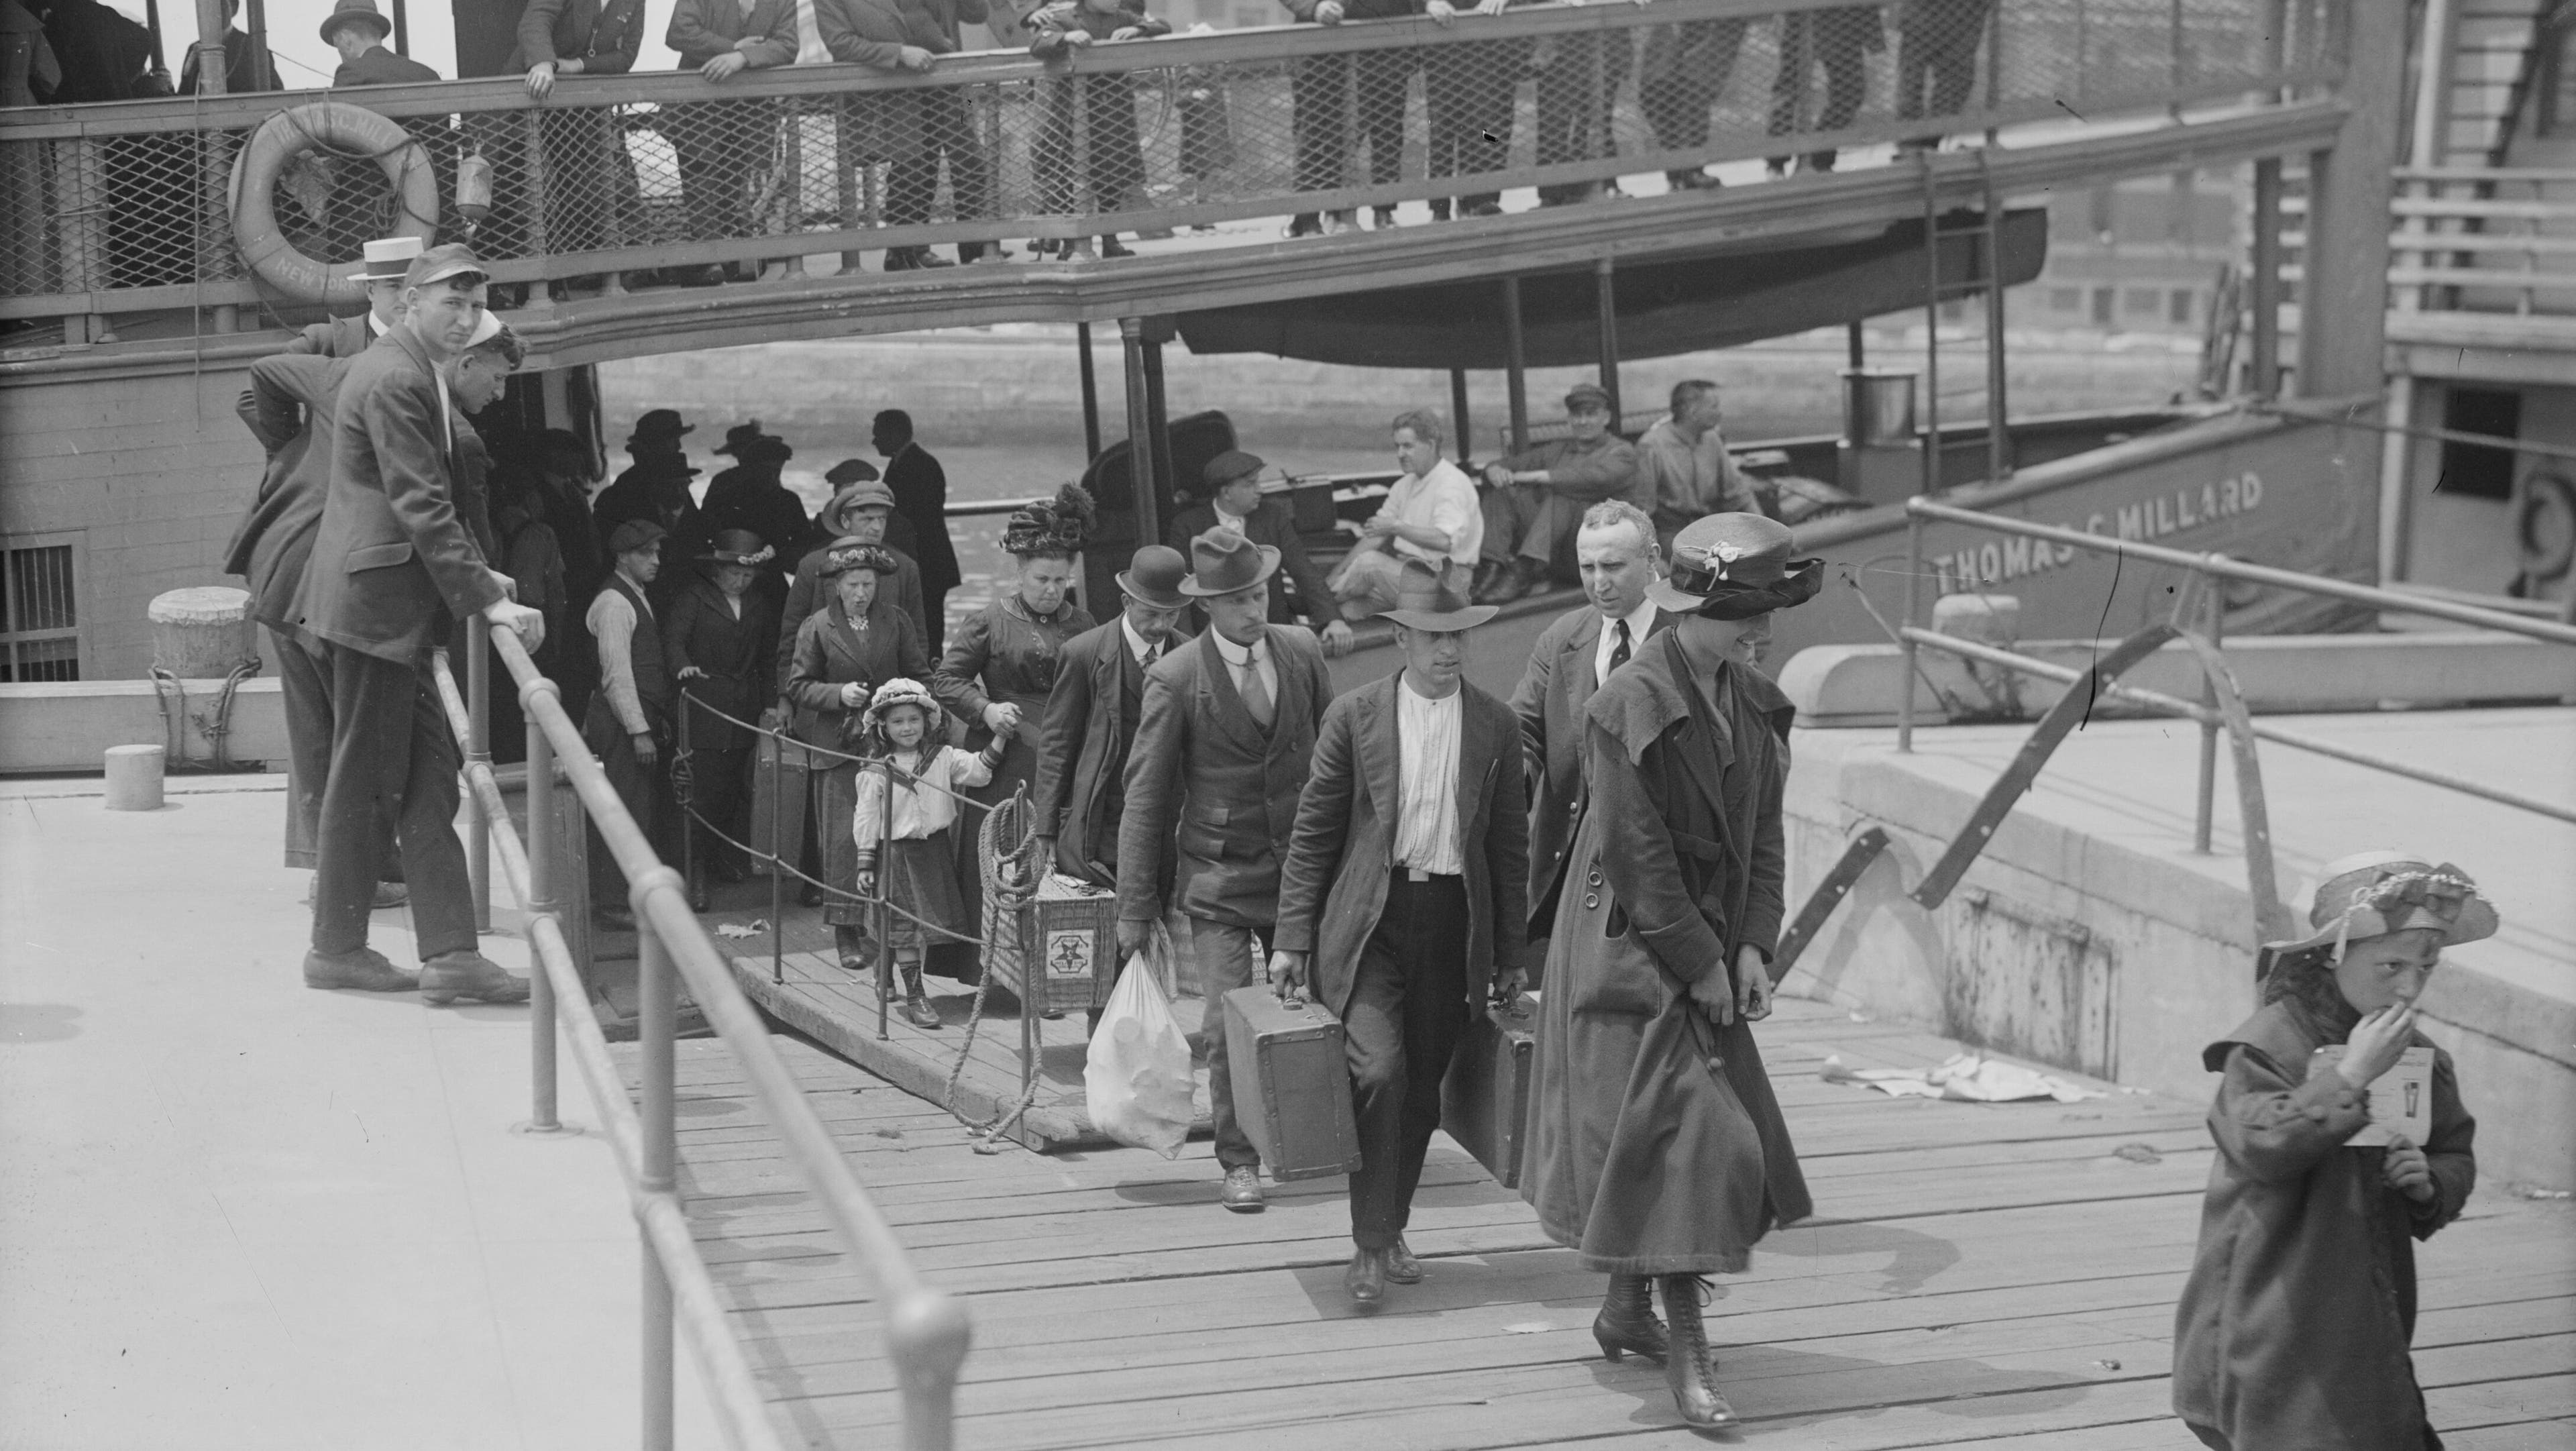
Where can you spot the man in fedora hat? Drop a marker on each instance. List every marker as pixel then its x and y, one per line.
pixel 1536 497
pixel 1229 497
pixel 1091 716
pixel 357 30
pixel 1403 893
pixel 1225 734
pixel 397 569
pixel 750 495
pixel 655 487
pixel 1637 1158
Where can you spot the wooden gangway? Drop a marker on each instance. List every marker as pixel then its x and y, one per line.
pixel 1977 1275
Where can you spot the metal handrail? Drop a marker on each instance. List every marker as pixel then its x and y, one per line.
pixel 926 1329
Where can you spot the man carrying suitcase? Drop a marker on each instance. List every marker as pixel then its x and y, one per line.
pixel 1405 887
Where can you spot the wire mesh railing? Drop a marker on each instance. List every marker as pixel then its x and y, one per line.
pixel 244 199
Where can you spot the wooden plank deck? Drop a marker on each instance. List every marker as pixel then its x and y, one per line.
pixel 1984 1276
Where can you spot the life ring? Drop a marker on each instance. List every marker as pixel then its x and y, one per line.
pixel 2548 544
pixel 343 129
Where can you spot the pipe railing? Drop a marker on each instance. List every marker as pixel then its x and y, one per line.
pixel 926 1330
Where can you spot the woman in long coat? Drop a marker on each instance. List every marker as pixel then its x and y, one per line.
pixel 1001 666
pixel 843 653
pixel 716 642
pixel 1656 1148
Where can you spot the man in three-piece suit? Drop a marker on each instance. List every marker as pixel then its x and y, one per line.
pixel 1224 736
pixel 392 567
pixel 1404 890
pixel 1091 717
pixel 1615 549
pixel 1230 498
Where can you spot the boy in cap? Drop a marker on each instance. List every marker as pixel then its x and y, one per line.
pixel 1537 498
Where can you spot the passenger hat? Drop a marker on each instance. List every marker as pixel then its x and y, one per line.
pixel 1735 566
pixel 850 471
pixel 486 328
pixel 1424 601
pixel 901 690
pixel 737 546
pixel 2374 893
pixel 1154 576
pixel 355 12
pixel 660 424
pixel 387 259
pixel 439 264
pixel 1223 562
pixel 850 554
pixel 1587 395
pixel 633 534
pixel 864 494
pixel 740 439
pixel 1227 467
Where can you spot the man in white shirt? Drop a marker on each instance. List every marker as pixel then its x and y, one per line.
pixel 630 711
pixel 1430 515
pixel 1683 469
pixel 1407 924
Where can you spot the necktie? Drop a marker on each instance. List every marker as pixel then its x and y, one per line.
pixel 1619 651
pixel 1256 698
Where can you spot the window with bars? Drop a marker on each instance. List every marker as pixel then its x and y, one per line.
pixel 39 610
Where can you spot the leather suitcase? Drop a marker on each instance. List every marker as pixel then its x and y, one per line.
pixel 1292 1084
pixel 781 782
pixel 1484 1101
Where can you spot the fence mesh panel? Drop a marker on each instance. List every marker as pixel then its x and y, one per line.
pixel 1386 115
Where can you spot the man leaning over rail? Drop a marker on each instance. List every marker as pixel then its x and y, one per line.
pixel 392 569
pixel 716 144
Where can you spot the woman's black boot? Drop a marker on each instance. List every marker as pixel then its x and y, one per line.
pixel 1627 1323
pixel 1688 1367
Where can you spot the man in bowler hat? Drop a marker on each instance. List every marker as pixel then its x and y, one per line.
pixel 1224 736
pixel 1401 901
pixel 1091 716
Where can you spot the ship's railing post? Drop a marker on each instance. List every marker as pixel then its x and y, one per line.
pixel 2213 607
pixel 657 1001
pixel 926 1338
pixel 542 1076
pixel 478 749
pixel 1913 617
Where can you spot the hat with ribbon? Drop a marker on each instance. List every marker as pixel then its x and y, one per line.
pixel 355 12
pixel 899 691
pixel 661 425
pixel 864 494
pixel 388 258
pixel 2374 893
pixel 1424 601
pixel 737 546
pixel 633 534
pixel 850 471
pixel 741 439
pixel 1154 576
pixel 1223 562
pixel 850 554
pixel 1736 566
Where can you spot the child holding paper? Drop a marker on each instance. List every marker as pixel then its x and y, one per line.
pixel 2292 1333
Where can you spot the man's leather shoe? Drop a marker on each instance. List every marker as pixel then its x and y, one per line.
pixel 1487 571
pixel 913 259
pixel 390 894
pixel 453 975
pixel 364 970
pixel 1366 1278
pixel 810 895
pixel 1510 582
pixel 1533 575
pixel 612 919
pixel 1241 1191
pixel 1401 1267
pixel 698 899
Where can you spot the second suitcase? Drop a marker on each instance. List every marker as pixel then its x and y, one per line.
pixel 1292 1084
pixel 1484 1102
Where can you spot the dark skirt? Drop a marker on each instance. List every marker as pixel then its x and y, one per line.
pixel 837 797
pixel 921 878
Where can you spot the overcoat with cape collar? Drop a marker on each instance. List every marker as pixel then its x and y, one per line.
pixel 1640 1157
pixel 2292 1331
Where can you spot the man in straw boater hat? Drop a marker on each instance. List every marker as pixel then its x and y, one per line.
pixel 1656 1149
pixel 1404 888
pixel 1225 733
pixel 1091 716
pixel 381 274
pixel 396 569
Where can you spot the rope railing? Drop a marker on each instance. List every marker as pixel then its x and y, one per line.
pixel 926 1330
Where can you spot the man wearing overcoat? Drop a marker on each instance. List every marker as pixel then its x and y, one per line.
pixel 392 567
pixel 1404 891
pixel 1615 550
pixel 1224 736
pixel 1655 1146
pixel 1091 717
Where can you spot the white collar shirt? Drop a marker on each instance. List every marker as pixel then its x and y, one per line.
pixel 1426 823
pixel 1138 646
pixel 1641 620
pixel 1236 522
pixel 1248 659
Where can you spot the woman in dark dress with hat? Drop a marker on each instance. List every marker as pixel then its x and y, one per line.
pixel 843 653
pixel 1001 666
pixel 716 640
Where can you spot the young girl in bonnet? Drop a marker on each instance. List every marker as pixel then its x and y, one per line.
pixel 913 850
pixel 2293 1330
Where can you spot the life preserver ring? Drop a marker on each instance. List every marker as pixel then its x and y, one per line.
pixel 2548 544
pixel 344 129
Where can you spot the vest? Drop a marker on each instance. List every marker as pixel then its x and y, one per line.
pixel 644 651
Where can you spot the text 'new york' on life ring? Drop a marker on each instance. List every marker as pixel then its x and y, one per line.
pixel 343 130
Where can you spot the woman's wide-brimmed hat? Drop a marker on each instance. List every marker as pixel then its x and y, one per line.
pixel 2373 893
pixel 899 691
pixel 1736 566
pixel 850 554
pixel 737 546
pixel 1223 562
pixel 1424 601
pixel 1051 526
pixel 1154 576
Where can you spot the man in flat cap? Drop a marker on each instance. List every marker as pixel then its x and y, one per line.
pixel 1225 735
pixel 1229 497
pixel 1402 897
pixel 628 725
pixel 1638 1158
pixel 1537 498
pixel 394 567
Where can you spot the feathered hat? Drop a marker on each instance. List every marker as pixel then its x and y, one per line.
pixel 1051 526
